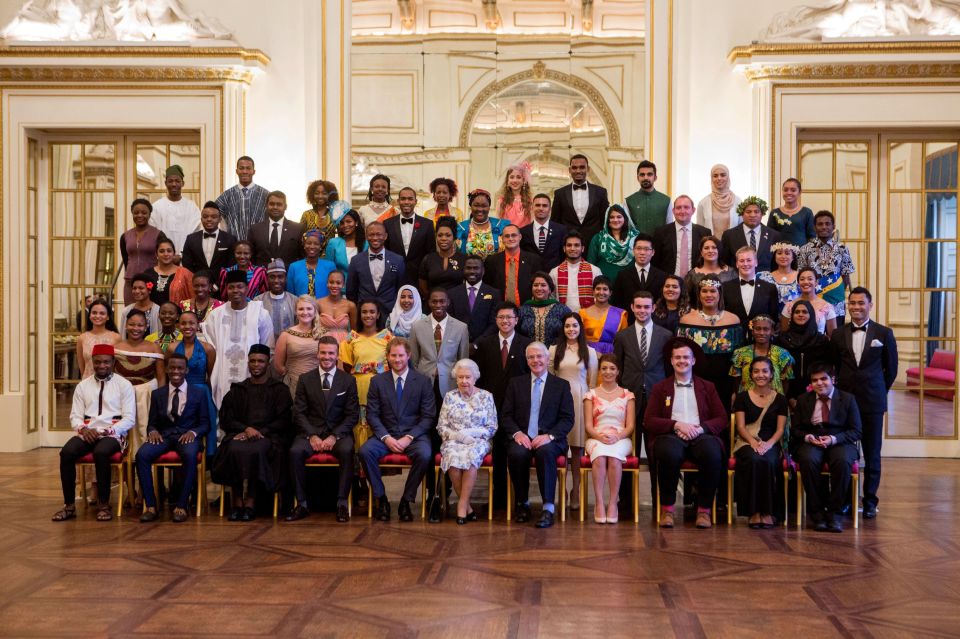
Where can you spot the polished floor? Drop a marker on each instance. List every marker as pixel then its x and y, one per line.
pixel 897 576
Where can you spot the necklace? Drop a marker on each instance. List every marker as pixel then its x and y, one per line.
pixel 712 319
pixel 296 333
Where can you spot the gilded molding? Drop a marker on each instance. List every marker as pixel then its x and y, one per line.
pixel 744 53
pixel 431 155
pixel 247 55
pixel 122 74
pixel 853 71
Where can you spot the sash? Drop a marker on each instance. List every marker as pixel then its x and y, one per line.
pixel 584 284
pixel 610 325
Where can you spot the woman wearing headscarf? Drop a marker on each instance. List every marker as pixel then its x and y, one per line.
pixel 612 248
pixel 806 345
pixel 718 211
pixel 406 311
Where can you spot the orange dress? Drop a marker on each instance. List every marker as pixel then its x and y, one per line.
pixel 600 333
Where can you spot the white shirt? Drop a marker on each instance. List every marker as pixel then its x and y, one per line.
pixel 859 340
pixel 690 246
pixel 648 327
pixel 403 377
pixel 581 201
pixel 406 231
pixel 209 245
pixel 571 296
pixel 509 340
pixel 177 219
pixel 119 398
pixel 183 397
pixel 377 267
pixel 746 292
pixel 476 290
pixel 536 231
pixel 685 404
pixel 756 234
pixel 279 227
pixel 331 373
pixel 643 272
pixel 442 324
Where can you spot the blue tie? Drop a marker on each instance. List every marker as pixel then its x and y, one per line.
pixel 533 427
pixel 399 391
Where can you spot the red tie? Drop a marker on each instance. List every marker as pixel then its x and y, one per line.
pixel 824 410
pixel 503 355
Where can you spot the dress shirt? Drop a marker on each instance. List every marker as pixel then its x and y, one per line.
pixel 210 245
pixel 649 328
pixel 747 291
pixel 691 249
pixel 476 291
pixel 279 224
pixel 859 340
pixel 756 235
pixel 815 418
pixel 500 339
pixel 536 232
pixel 331 373
pixel 643 272
pixel 581 201
pixel 119 398
pixel 183 397
pixel 377 267
pixel 402 376
pixel 406 231
pixel 442 323
pixel 685 404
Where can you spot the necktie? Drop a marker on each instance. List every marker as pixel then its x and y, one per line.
pixel 326 382
pixel 542 239
pixel 746 283
pixel 275 235
pixel 399 390
pixel 580 187
pixel 504 351
pixel 471 296
pixel 100 400
pixel 643 278
pixel 209 235
pixel 683 260
pixel 824 409
pixel 856 328
pixel 406 220
pixel 376 256
pixel 533 426
pixel 753 239
pixel 175 411
pixel 437 337
pixel 643 347
pixel 512 294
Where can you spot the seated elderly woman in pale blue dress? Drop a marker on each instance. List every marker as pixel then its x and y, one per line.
pixel 468 421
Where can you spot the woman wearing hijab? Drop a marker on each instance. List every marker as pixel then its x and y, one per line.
pixel 612 248
pixel 718 211
pixel 806 345
pixel 406 311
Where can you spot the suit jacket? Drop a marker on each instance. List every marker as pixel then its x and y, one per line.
pixel 734 239
pixel 556 408
pixel 552 253
pixel 665 245
pixel 416 412
pixel 628 282
pixel 291 247
pixel 765 300
pixel 564 213
pixel 422 241
pixel 658 418
pixel 641 379
pixel 871 379
pixel 194 260
pixel 483 319
pixel 423 350
pixel 194 412
pixel 334 412
pixel 495 273
pixel 360 281
pixel 844 422
pixel 493 377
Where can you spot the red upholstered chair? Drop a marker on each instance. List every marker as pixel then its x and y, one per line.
pixel 394 460
pixel 632 465
pixel 120 461
pixel 326 460
pixel 171 459
pixel 561 479
pixel 486 465
pixel 854 493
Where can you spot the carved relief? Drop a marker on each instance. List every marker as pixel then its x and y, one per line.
pixel 866 19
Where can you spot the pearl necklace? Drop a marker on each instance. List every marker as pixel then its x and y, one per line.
pixel 712 319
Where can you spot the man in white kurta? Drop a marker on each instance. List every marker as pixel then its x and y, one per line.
pixel 174 214
pixel 232 329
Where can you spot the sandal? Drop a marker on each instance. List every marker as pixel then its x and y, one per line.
pixel 65 513
pixel 104 513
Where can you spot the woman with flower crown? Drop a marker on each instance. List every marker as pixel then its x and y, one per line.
pixel 784 275
pixel 514 198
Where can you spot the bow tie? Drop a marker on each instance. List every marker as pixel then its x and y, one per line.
pixel 855 328
pixel 376 256
pixel 406 220
pixel 580 187
pixel 206 235
pixel 746 283
pixel 682 385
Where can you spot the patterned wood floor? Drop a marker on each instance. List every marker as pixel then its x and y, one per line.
pixel 895 577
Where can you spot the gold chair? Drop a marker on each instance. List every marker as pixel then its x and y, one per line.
pixel 120 461
pixel 632 465
pixel 486 465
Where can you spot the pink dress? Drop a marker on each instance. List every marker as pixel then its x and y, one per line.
pixel 337 328
pixel 609 415
pixel 515 213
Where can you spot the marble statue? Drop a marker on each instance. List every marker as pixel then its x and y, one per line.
pixel 866 19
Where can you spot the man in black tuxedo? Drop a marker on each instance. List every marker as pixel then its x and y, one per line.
pixel 209 249
pixel 473 302
pixel 867 364
pixel 543 237
pixel 641 276
pixel 677 243
pixel 375 273
pixel 410 236
pixel 537 415
pixel 501 357
pixel 751 232
pixel 276 237
pixel 825 430
pixel 747 296
pixel 401 411
pixel 325 410
pixel 511 270
pixel 580 205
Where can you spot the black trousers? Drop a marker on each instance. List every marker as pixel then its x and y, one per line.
pixel 518 459
pixel 756 480
pixel 706 451
pixel 301 451
pixel 839 459
pixel 871 439
pixel 75 448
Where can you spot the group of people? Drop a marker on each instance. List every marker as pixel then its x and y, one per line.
pixel 561 331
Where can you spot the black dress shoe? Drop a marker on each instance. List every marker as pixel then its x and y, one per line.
pixel 248 514
pixel 343 515
pixel 236 514
pixel 148 516
pixel 869 511
pixel 298 513
pixel 435 516
pixel 546 520
pixel 819 523
pixel 833 523
pixel 403 511
pixel 523 513
pixel 471 516
pixel 383 509
pixel 462 520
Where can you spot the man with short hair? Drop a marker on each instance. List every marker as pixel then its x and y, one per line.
pixel 642 276
pixel 574 276
pixel 833 262
pixel 677 243
pixel 512 269
pixel 179 419
pixel 325 410
pixel 279 303
pixel 175 215
pixel 648 207
pixel 276 238
pixel 376 273
pixel 543 237
pixel 474 302
pixel 244 204
pixel 752 232
pixel 580 205
pixel 749 296
pixel 210 248
pixel 104 410
pixel 409 235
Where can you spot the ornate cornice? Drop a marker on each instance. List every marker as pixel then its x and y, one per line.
pixel 240 53
pixel 123 74
pixel 431 155
pixel 745 53
pixel 853 71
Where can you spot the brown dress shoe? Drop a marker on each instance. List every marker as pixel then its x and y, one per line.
pixel 666 518
pixel 703 519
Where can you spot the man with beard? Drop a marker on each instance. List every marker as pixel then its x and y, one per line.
pixel 648 207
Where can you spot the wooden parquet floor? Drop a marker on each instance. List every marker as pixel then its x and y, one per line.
pixel 897 576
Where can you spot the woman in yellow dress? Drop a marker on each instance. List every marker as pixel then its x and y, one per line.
pixel 326 210
pixel 364 354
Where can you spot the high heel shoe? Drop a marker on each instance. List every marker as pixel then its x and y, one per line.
pixel 602 519
pixel 462 520
pixel 615 518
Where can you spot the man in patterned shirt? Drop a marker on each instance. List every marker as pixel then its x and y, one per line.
pixel 832 261
pixel 244 204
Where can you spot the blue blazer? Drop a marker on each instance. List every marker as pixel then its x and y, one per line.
pixel 360 281
pixel 194 414
pixel 556 408
pixel 297 279
pixel 415 414
pixel 337 253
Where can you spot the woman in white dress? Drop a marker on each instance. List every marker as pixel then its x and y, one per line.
pixel 610 418
pixel 467 423
pixel 574 361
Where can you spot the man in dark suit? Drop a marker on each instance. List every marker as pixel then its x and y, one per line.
pixel 276 237
pixel 179 418
pixel 537 415
pixel 511 270
pixel 867 364
pixel 375 273
pixel 325 410
pixel 825 430
pixel 543 237
pixel 580 205
pixel 747 296
pixel 751 232
pixel 642 276
pixel 475 303
pixel 401 411
pixel 501 357
pixel 408 235
pixel 677 244
pixel 209 249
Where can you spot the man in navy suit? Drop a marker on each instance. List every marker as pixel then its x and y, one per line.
pixel 401 411
pixel 209 249
pixel 376 273
pixel 179 417
pixel 537 415
pixel 580 205
pixel 276 237
pixel 473 302
pixel 409 235
pixel 543 238
pixel 751 232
